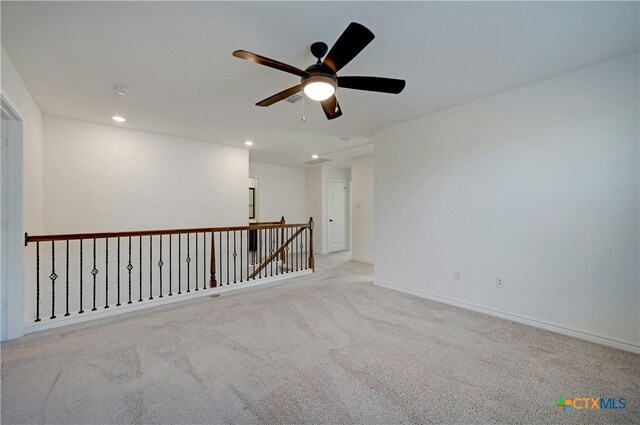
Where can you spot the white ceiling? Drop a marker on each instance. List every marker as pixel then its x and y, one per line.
pixel 176 58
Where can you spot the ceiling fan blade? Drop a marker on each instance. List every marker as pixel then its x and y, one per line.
pixel 379 84
pixel 331 108
pixel 280 96
pixel 351 42
pixel 271 63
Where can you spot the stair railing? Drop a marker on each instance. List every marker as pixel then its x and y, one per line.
pixel 87 272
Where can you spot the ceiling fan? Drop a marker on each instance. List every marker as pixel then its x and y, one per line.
pixel 319 81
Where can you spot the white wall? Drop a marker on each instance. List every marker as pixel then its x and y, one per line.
pixel 538 186
pixel 104 178
pixel 15 91
pixel 362 209
pixel 30 208
pixel 316 195
pixel 282 192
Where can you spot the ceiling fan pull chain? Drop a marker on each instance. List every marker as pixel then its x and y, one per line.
pixel 304 118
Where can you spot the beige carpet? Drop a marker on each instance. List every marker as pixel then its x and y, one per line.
pixel 329 348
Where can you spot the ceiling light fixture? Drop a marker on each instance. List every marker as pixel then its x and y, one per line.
pixel 319 87
pixel 119 119
pixel 315 156
pixel 248 143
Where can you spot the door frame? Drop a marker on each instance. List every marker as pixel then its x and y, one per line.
pixel 12 285
pixel 345 215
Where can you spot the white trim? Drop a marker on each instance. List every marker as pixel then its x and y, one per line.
pixel 13 298
pixel 127 308
pixel 519 319
pixel 362 260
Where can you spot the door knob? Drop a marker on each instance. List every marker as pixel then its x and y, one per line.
pixel 330 220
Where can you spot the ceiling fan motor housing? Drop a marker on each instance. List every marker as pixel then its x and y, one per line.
pixel 318 73
pixel 319 49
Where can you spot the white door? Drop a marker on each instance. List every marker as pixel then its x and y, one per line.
pixel 336 206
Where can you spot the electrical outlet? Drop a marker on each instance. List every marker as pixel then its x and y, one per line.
pixel 499 282
pixel 456 275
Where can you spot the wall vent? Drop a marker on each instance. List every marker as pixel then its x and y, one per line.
pixel 294 98
pixel 317 161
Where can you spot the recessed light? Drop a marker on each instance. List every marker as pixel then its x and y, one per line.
pixel 248 143
pixel 119 119
pixel 315 156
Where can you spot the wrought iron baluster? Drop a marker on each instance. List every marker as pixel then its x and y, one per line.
pixel 179 263
pixel 248 251
pixel 299 249
pixel 259 252
pixel 220 263
pixel 204 260
pixel 265 247
pixel 306 245
pixel 160 264
pixel 196 261
pixel 170 265
pixel 37 281
pixel 94 272
pixel 140 300
pixel 228 280
pixel 295 248
pixel 81 310
pixel 241 256
pixel 277 246
pixel 150 267
pixel 294 252
pixel 271 249
pixel 118 303
pixel 106 273
pixel 288 251
pixel 302 250
pixel 188 265
pixel 53 276
pixel 67 280
pixel 235 256
pixel 129 268
pixel 213 283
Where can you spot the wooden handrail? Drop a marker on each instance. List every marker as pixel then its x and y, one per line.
pixel 266 223
pixel 102 235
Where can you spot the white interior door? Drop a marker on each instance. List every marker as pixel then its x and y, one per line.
pixel 336 206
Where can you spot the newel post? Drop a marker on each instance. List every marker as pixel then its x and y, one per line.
pixel 212 282
pixel 311 259
pixel 283 256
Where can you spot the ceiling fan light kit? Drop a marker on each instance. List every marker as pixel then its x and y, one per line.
pixel 319 87
pixel 320 80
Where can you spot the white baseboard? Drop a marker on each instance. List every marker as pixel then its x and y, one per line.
pixel 127 308
pixel 362 260
pixel 520 319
